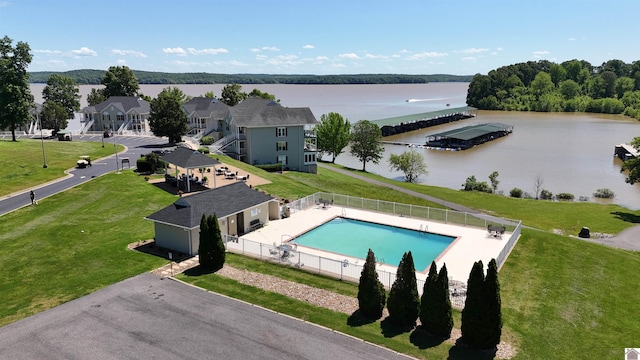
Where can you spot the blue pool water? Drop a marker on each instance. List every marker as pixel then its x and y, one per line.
pixel 354 238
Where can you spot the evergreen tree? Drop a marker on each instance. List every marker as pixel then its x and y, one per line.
pixel 205 250
pixel 472 314
pixel 493 312
pixel 404 302
pixel 427 302
pixel 371 294
pixel 443 321
pixel 219 252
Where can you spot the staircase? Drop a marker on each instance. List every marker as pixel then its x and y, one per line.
pixel 86 126
pixel 217 146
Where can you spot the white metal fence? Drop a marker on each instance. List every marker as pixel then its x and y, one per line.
pixel 344 270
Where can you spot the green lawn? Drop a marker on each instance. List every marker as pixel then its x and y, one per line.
pixel 21 163
pixel 561 297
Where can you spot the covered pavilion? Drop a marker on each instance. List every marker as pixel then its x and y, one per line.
pixel 189 159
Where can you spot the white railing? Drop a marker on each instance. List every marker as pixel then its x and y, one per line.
pixel 222 143
pixel 343 270
pixel 87 126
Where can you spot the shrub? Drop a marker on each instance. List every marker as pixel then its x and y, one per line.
pixel 203 149
pixel 471 184
pixel 516 193
pixel 428 299
pixel 493 307
pixel 211 251
pixel 546 195
pixel 565 196
pixel 472 314
pixel 371 294
pixel 604 193
pixel 272 167
pixel 143 166
pixel 404 302
pixel 443 322
pixel 207 140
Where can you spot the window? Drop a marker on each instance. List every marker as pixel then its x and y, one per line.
pixel 255 212
pixel 283 159
pixel 281 132
pixel 120 117
pixel 281 146
pixel 309 158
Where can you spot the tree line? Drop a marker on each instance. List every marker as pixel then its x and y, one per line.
pixel 94 77
pixel 571 86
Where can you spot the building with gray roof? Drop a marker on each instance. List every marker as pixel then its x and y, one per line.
pixel 124 114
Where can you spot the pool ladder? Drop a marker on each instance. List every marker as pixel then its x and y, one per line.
pixel 424 229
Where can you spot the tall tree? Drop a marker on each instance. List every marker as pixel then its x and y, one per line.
pixel 472 314
pixel 443 322
pixel 493 178
pixel 263 95
pixel 404 302
pixel 232 94
pixel 411 163
pixel 64 91
pixel 120 81
pixel 219 251
pixel 95 97
pixel 371 293
pixel 366 142
pixel 333 134
pixel 632 166
pixel 205 249
pixel 428 300
pixel 493 307
pixel 15 95
pixel 166 117
pixel 54 116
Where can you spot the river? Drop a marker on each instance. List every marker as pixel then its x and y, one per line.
pixel 571 153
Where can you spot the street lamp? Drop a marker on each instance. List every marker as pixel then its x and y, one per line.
pixel 115 148
pixel 44 157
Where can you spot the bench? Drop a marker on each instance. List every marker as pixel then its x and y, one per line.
pixel 255 224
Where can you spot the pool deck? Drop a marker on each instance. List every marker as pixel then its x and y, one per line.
pixel 472 244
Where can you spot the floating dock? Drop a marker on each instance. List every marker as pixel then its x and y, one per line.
pixel 402 124
pixel 468 136
pixel 625 152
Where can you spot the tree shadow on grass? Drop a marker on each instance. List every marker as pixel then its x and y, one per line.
pixel 390 329
pixel 627 217
pixel 359 319
pixel 462 351
pixel 197 271
pixel 423 340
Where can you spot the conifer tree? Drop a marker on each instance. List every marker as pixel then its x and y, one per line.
pixel 219 252
pixel 205 249
pixel 443 320
pixel 493 312
pixel 472 314
pixel 427 302
pixel 371 294
pixel 404 302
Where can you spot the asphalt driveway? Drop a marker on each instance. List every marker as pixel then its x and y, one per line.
pixel 147 317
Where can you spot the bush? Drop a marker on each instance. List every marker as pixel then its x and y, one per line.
pixel 272 167
pixel 404 303
pixel 203 149
pixel 546 195
pixel 207 140
pixel 371 294
pixel 604 193
pixel 471 184
pixel 565 196
pixel 143 166
pixel 516 193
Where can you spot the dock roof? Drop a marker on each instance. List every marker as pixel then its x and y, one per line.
pixel 471 132
pixel 421 116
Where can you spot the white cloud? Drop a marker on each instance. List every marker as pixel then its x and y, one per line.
pixel 339 66
pixel 48 52
pixel 270 48
pixel 308 46
pixel 84 51
pixel 540 53
pixel 469 59
pixel 128 53
pixel 322 58
pixel 177 50
pixel 426 55
pixel 193 51
pixel 472 50
pixel 349 56
pixel 254 50
pixel 122 62
pixel 499 49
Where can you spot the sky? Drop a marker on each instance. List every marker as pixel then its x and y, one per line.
pixel 459 37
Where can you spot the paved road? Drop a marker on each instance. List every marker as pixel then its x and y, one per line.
pixel 135 146
pixel 147 317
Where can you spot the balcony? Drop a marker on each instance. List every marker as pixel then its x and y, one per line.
pixel 309 134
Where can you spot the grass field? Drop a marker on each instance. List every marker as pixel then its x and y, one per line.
pixel 562 297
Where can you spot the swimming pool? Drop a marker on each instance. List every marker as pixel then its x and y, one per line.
pixel 354 238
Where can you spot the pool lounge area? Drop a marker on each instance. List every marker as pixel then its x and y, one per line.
pixel 471 243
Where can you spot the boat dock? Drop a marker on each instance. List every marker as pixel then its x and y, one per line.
pixel 402 124
pixel 468 136
pixel 625 152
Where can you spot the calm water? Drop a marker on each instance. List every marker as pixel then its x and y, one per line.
pixel 570 152
pixel 425 247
